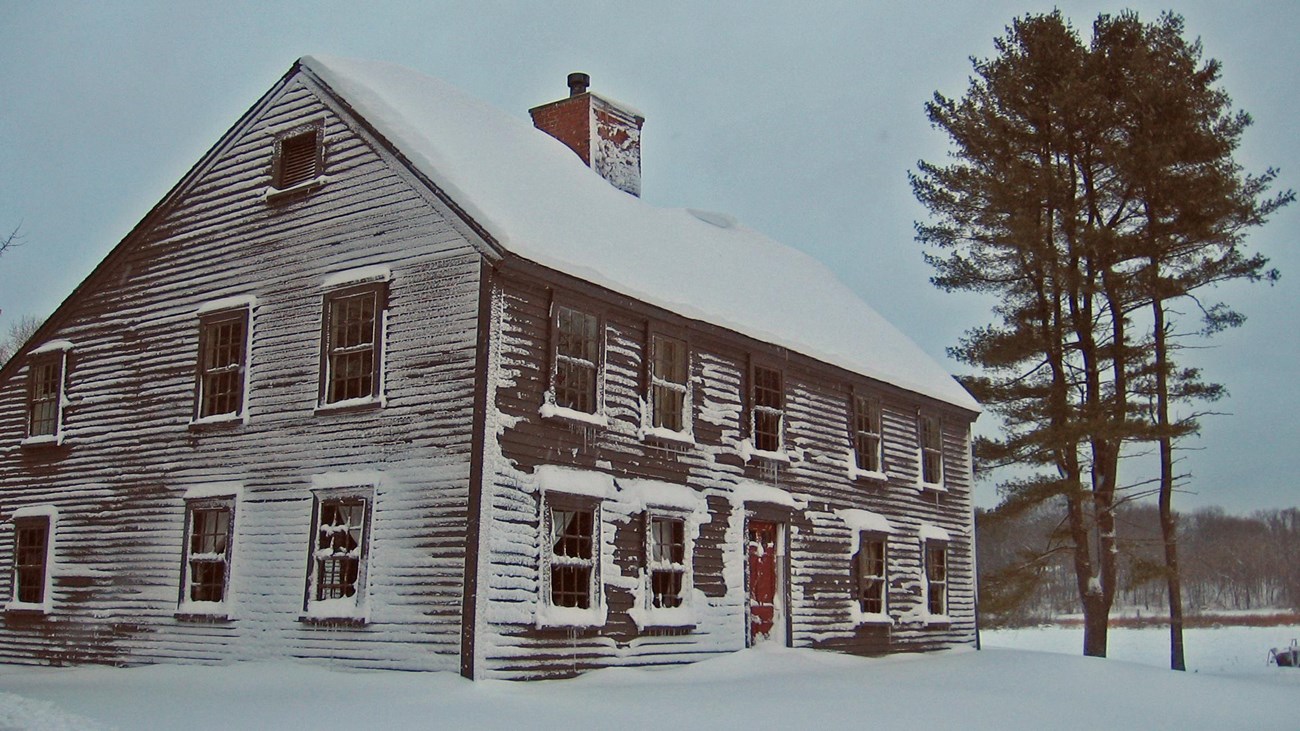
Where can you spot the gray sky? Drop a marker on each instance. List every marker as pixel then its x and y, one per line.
pixel 800 122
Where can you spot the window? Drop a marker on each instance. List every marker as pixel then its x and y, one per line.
pixel 669 406
pixel 336 583
pixel 930 438
pixel 866 434
pixel 297 157
pixel 871 574
pixel 223 362
pixel 666 561
pixel 571 560
pixel 768 409
pixel 352 344
pixel 936 577
pixel 32 541
pixel 45 396
pixel 577 359
pixel 207 551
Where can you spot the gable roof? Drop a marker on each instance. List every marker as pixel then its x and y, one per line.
pixel 539 201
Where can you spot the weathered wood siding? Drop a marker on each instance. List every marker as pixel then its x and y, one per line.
pixel 821 583
pixel 129 454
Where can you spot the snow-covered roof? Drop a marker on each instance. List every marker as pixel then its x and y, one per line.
pixel 538 200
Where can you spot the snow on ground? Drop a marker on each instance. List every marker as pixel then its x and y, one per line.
pixel 765 688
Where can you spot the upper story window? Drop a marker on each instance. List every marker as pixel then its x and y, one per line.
pixel 46 378
pixel 867 433
pixel 668 399
pixel 352 357
pixel 210 527
pixel 577 360
pixel 223 363
pixel 767 409
pixel 33 554
pixel 298 156
pixel 930 438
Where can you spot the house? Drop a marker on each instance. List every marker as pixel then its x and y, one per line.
pixel 393 379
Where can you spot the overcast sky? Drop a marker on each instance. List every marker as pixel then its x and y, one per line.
pixel 801 122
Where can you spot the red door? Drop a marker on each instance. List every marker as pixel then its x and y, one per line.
pixel 763 569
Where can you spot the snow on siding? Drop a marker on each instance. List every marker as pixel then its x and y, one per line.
pixel 537 199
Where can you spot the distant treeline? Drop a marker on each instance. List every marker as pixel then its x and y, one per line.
pixel 1228 562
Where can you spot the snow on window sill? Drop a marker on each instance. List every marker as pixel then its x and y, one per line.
pixel 549 410
pixel 650 618
pixel 856 473
pixel 660 434
pixel 28 608
pixel 273 193
pixel 745 448
pixel 43 440
pixel 217 421
pixel 881 618
pixel 353 404
pixel 203 612
pixel 937 619
pixel 931 486
pixel 343 610
pixel 570 617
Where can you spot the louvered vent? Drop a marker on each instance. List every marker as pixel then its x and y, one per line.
pixel 298 158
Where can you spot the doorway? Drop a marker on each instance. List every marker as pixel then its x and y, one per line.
pixel 766 577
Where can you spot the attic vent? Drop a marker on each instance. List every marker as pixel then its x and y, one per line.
pixel 297 158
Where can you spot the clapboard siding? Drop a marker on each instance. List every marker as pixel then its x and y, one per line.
pixel 129 453
pixel 819 542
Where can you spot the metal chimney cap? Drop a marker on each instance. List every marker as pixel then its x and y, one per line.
pixel 578 83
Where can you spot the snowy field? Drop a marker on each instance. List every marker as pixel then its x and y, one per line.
pixel 999 688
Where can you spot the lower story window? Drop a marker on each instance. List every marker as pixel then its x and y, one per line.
pixel 337 579
pixel 871 574
pixel 207 563
pixel 666 559
pixel 31 559
pixel 936 577
pixel 572 565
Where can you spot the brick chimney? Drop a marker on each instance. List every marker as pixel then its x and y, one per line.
pixel 604 133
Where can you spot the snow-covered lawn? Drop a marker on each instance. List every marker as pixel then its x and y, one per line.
pixel 998 688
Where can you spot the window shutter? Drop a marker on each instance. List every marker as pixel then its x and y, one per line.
pixel 297 159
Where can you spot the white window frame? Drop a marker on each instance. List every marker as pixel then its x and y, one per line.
pixel 655 383
pixel 549 614
pixel 55 351
pixel 374 282
pixel 187 604
pixel 211 315
pixel 352 608
pixel 49 516
pixel 930 424
pixel 929 545
pixel 875 417
pixel 683 615
pixel 551 406
pixel 861 577
pixel 779 411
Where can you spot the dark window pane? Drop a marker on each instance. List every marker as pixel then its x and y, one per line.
pixel 30 552
pixel 46 384
pixel 338 548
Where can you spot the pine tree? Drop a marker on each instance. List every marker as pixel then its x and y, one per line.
pixel 1058 204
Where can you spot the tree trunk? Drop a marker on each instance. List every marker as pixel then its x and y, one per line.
pixel 1168 524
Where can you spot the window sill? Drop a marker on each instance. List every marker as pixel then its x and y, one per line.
pixel 937 619
pixel 931 487
pixel 23 609
pixel 339 621
pixel 668 437
pixel 873 618
pixel 272 194
pixel 868 475
pixel 41 441
pixel 212 423
pixel 574 618
pixel 563 413
pixel 200 617
pixel 347 406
